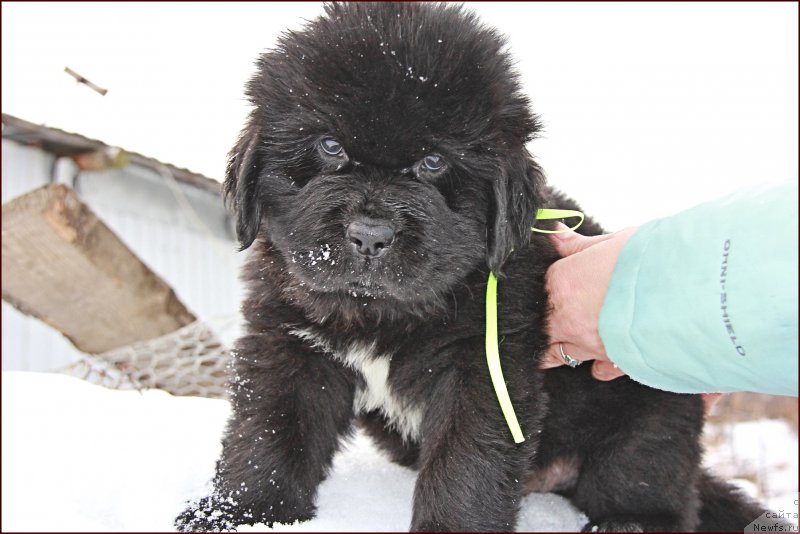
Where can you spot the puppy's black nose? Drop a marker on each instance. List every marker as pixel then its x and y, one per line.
pixel 370 237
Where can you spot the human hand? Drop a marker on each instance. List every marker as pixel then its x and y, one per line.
pixel 577 285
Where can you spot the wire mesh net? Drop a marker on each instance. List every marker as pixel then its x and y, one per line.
pixel 189 361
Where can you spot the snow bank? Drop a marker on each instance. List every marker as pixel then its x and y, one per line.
pixel 760 456
pixel 84 458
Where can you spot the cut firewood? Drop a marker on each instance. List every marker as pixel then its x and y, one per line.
pixel 62 265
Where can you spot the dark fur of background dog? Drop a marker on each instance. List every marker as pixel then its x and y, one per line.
pixel 381 175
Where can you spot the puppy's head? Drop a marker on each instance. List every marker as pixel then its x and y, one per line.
pixel 385 154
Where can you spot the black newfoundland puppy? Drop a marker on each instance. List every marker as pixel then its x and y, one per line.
pixel 380 177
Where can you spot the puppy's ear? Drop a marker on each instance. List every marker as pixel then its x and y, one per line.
pixel 516 197
pixel 242 185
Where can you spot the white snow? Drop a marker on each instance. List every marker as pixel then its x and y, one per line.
pixel 760 456
pixel 80 457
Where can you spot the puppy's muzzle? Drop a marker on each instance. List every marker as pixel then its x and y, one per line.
pixel 370 237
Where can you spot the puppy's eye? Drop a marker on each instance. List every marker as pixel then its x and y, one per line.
pixel 331 146
pixel 433 162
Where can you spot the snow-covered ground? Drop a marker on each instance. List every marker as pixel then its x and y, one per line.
pixel 760 456
pixel 79 457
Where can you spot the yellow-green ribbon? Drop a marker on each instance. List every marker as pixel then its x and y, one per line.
pixel 557 214
pixel 492 344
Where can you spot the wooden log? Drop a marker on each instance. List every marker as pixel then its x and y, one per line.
pixel 62 265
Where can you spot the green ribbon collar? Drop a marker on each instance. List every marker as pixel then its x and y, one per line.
pixel 492 345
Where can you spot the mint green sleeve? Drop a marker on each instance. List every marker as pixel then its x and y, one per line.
pixel 706 300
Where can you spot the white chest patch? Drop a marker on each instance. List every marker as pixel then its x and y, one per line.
pixel 376 393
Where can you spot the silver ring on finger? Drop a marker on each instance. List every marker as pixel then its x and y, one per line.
pixel 568 360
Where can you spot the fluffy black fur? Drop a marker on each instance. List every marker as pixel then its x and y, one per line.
pixel 393 83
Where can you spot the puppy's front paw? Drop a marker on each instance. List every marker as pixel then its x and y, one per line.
pixel 223 514
pixel 209 514
pixel 431 526
pixel 613 526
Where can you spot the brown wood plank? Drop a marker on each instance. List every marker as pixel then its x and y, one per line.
pixel 62 265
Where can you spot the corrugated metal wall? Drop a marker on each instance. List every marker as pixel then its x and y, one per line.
pixel 180 232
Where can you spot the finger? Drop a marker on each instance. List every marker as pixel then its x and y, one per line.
pixel 605 370
pixel 570 242
pixel 709 400
pixel 552 356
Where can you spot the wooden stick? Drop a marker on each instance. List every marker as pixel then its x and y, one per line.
pixel 62 265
